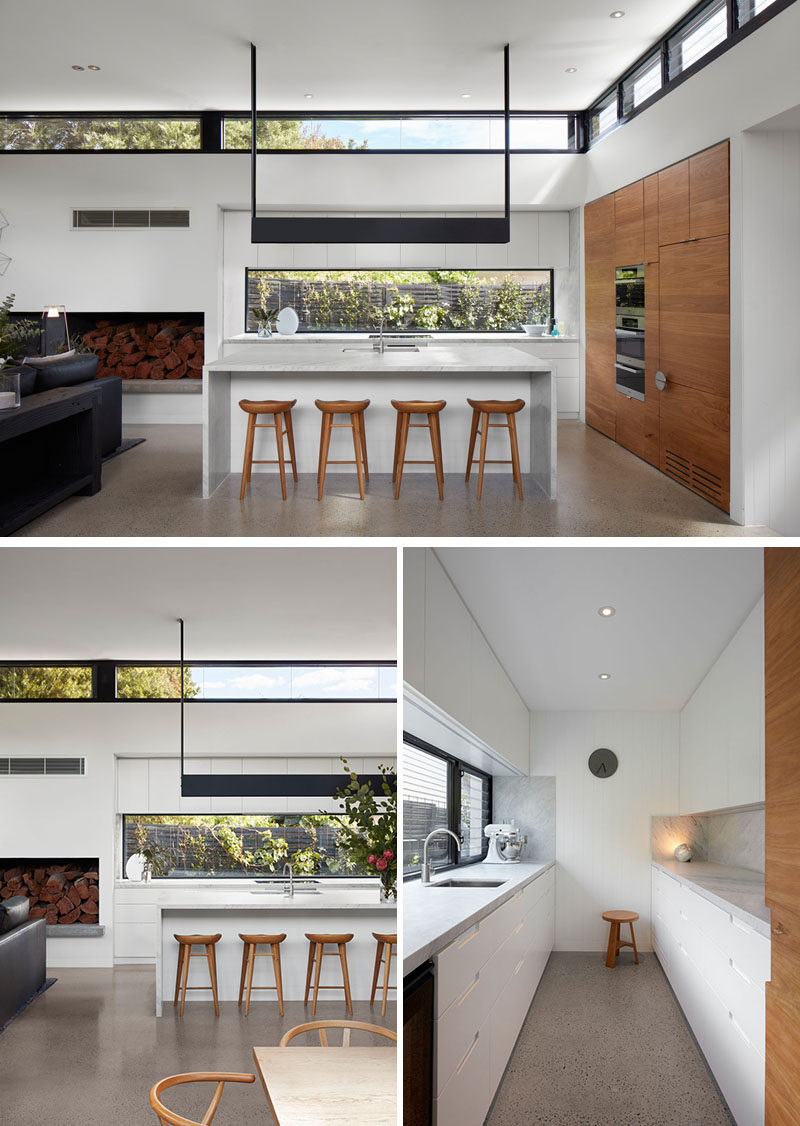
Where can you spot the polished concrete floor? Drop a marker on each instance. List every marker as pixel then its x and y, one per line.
pixel 155 490
pixel 87 1052
pixel 605 1047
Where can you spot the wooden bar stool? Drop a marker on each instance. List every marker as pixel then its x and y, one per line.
pixel 250 952
pixel 281 416
pixel 404 423
pixel 187 951
pixel 482 410
pixel 383 954
pixel 356 412
pixel 614 941
pixel 316 952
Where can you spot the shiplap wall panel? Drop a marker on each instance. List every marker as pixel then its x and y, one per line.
pixel 722 726
pixel 603 826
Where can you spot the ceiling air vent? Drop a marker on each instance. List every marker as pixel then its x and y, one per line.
pixel 41 767
pixel 126 219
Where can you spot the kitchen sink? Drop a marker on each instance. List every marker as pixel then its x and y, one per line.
pixel 468 884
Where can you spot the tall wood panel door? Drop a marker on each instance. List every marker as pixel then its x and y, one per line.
pixel 782 679
pixel 600 249
pixel 673 203
pixel 629 225
pixel 709 178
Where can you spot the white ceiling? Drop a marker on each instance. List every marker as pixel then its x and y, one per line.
pixel 238 602
pixel 676 609
pixel 418 54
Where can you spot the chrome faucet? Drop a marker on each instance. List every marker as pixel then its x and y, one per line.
pixel 426 864
pixel 288 889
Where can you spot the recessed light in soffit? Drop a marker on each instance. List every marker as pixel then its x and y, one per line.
pixel 606 611
pixel 604 676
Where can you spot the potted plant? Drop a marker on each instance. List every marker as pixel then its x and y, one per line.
pixel 368 835
pixel 14 338
pixel 265 319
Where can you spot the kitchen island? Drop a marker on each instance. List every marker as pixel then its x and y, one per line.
pixel 351 910
pixel 355 371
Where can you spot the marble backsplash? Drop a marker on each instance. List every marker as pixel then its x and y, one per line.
pixel 531 802
pixel 566 281
pixel 733 837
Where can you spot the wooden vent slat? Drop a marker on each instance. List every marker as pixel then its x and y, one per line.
pixel 695 477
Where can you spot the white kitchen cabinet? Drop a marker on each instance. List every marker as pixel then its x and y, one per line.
pixel 563 356
pixel 132 785
pixel 499 716
pixel 414 617
pixel 523 250
pixel 448 635
pixel 717 965
pixel 485 982
pixel 554 239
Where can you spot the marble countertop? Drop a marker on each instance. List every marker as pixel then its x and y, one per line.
pixel 737 890
pixel 456 337
pixel 324 899
pixel 444 358
pixel 433 917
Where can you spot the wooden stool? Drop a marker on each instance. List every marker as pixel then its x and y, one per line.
pixel 404 412
pixel 186 951
pixel 385 944
pixel 281 415
pixel 356 412
pixel 250 952
pixel 614 941
pixel 482 409
pixel 316 952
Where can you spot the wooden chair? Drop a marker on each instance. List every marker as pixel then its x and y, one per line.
pixel 250 952
pixel 614 941
pixel 355 410
pixel 281 416
pixel 170 1118
pixel 405 409
pixel 316 952
pixel 186 951
pixel 482 410
pixel 347 1025
pixel 383 954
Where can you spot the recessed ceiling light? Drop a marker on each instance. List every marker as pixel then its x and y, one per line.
pixel 606 611
pixel 604 675
pixel 93 67
pixel 77 68
pixel 308 96
pixel 466 95
pixel 571 70
pixel 616 15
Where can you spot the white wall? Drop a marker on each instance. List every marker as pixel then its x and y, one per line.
pixel 603 826
pixel 722 726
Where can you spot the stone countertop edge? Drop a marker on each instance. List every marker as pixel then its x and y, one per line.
pixel 423 931
pixel 741 898
pixel 449 337
pixel 443 359
pixel 278 903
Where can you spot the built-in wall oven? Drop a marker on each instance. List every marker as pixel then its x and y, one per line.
pixel 630 331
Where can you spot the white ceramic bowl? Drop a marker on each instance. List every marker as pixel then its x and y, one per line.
pixel 534 330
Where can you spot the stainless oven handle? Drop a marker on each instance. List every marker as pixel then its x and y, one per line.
pixel 627 367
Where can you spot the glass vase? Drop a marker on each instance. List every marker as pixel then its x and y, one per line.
pixel 9 390
pixel 264 331
pixel 388 894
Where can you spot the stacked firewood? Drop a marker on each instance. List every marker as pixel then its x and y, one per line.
pixel 59 893
pixel 147 350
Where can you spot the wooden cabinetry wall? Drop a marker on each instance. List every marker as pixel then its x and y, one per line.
pixel 676 222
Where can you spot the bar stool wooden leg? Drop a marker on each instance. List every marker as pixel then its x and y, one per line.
pixel 251 965
pixel 362 428
pixel 290 439
pixel 243 973
pixel 248 453
pixel 436 446
pixel 181 949
pixel 473 433
pixel 377 970
pixel 211 955
pixel 484 437
pixel 387 966
pixel 308 971
pixel 279 443
pixel 633 940
pixel 402 457
pixel 613 936
pixel 512 433
pixel 320 950
pixel 276 965
pixel 324 444
pixel 184 976
pixel 346 976
pixel 397 429
pixel 356 428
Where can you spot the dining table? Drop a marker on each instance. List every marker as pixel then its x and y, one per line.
pixel 319 1086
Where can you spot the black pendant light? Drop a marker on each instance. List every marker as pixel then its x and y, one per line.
pixel 381 229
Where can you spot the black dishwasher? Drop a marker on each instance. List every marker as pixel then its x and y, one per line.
pixel 418 1047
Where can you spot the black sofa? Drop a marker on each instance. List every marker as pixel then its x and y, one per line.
pixel 71 371
pixel 22 956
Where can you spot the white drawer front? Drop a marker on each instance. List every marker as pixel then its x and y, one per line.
pixel 507 1017
pixel 750 952
pixel 506 918
pixel 460 962
pixel 458 1027
pixel 466 1097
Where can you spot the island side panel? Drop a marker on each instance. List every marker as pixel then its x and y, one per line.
pixel 217 429
pixel 543 432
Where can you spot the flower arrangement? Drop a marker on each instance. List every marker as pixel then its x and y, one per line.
pixel 368 835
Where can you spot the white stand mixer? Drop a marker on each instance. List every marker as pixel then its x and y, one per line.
pixel 505 843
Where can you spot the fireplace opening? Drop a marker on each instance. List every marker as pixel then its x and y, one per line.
pixel 61 891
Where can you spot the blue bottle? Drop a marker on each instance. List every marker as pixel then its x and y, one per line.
pixel 555 329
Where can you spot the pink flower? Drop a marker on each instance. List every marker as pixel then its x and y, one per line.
pixel 381 864
pixel 371 858
pixel 388 854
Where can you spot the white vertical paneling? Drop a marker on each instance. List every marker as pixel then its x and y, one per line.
pixel 499 716
pixel 554 239
pixel 603 826
pixel 523 250
pixel 310 256
pixel 273 255
pixel 237 253
pixel 195 805
pixel 448 636
pixel 722 726
pixel 341 255
pixel 132 785
pixel 164 776
pixel 414 616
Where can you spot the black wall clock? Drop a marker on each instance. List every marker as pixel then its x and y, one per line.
pixel 602 762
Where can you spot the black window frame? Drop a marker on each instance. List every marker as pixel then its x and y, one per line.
pixel 104 680
pixel 455 766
